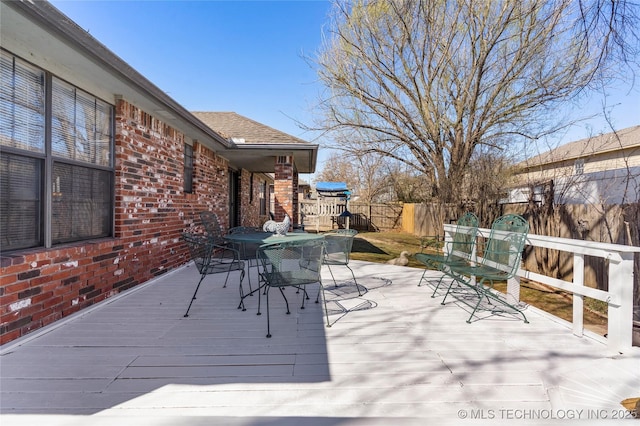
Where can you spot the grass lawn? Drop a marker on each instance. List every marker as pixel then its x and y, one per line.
pixel 382 246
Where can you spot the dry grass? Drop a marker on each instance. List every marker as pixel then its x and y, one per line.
pixel 382 246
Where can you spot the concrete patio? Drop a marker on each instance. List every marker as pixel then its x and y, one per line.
pixel 394 356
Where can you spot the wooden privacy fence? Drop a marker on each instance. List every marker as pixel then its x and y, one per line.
pixel 323 215
pixel 427 219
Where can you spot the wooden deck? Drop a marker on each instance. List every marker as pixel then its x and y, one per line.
pixel 394 356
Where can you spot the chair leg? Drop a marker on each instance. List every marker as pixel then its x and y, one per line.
pixel 285 300
pixel 305 296
pixel 454 279
pixel 354 280
pixel 474 310
pixel 260 295
pixel 335 284
pixel 268 322
pixel 194 295
pixel 482 292
pixel 241 305
pixel 422 277
pixel 437 286
pixel 249 276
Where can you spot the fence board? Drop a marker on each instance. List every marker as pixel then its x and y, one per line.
pixel 364 217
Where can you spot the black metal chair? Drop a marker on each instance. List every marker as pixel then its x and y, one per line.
pixel 248 251
pixel 212 258
pixel 338 245
pixel 291 264
pixel 212 226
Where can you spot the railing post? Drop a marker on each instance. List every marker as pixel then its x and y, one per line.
pixel 620 327
pixel 513 290
pixel 578 299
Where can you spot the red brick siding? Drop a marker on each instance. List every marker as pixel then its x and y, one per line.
pixel 285 189
pixel 39 286
pixel 211 184
pixel 250 205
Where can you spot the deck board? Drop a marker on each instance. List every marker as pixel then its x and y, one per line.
pixel 393 355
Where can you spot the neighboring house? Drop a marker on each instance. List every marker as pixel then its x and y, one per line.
pixel 603 169
pixel 101 171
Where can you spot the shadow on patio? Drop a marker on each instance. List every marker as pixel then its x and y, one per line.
pixel 398 356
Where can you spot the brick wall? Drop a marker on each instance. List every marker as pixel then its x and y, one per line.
pixel 39 286
pixel 250 199
pixel 283 189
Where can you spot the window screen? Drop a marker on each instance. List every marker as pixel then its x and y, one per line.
pixel 188 168
pixel 20 201
pixel 80 204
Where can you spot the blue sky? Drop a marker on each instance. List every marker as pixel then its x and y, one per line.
pixel 242 56
pixel 247 57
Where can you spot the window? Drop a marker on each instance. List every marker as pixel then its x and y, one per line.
pixel 188 168
pixel 81 126
pixel 578 167
pixel 56 171
pixel 21 201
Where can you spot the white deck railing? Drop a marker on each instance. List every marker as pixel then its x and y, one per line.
pixel 619 298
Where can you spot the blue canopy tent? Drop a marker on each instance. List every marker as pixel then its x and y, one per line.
pixel 335 190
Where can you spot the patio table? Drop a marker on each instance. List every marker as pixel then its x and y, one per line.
pixel 269 238
pixel 260 238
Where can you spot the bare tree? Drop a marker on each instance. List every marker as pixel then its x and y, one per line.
pixel 338 169
pixel 430 81
pixel 409 186
pixel 363 174
pixel 484 185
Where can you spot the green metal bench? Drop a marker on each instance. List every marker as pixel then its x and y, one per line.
pixel 500 261
pixel 458 251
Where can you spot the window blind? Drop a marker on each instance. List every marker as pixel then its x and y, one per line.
pixel 81 125
pixel 20 203
pixel 22 97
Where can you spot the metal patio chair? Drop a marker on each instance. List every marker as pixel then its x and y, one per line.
pixel 338 245
pixel 459 250
pixel 212 227
pixel 248 251
pixel 291 264
pixel 500 261
pixel 211 258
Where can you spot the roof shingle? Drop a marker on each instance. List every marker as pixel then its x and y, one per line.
pixel 236 127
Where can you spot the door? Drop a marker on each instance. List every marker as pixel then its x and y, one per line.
pixel 234 199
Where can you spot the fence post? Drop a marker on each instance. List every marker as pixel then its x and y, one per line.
pixel 620 324
pixel 578 299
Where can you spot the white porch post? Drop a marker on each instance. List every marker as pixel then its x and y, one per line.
pixel 620 331
pixel 578 299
